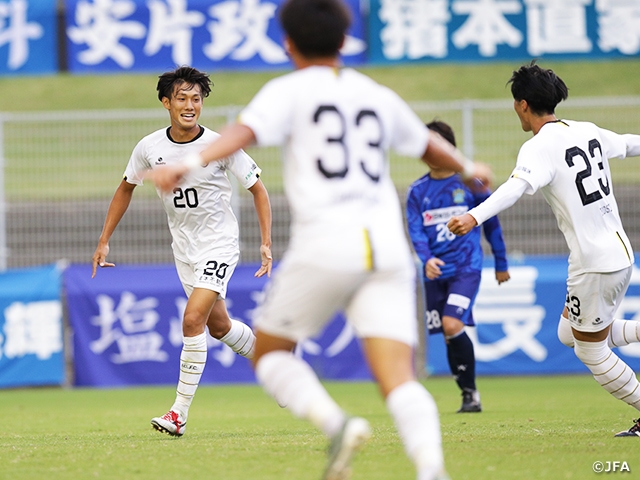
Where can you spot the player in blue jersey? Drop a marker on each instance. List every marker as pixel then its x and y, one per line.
pixel 452 265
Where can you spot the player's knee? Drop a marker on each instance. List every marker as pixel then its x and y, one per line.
pixel 565 335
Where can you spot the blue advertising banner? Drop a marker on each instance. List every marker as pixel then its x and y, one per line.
pixel 476 30
pixel 158 35
pixel 127 329
pixel 31 339
pixel 28 37
pixel 517 323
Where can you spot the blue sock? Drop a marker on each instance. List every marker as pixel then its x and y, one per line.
pixel 462 360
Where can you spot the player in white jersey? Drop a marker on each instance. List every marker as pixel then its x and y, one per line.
pixel 203 228
pixel 348 249
pixel 569 163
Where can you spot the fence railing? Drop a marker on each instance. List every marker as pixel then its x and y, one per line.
pixel 58 171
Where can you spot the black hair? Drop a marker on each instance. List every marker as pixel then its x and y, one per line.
pixel 169 81
pixel 316 27
pixel 542 89
pixel 444 130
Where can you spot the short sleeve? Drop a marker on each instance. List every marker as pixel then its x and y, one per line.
pixel 410 135
pixel 269 113
pixel 138 165
pixel 244 168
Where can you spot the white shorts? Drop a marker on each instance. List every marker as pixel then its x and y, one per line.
pixel 212 273
pixel 593 298
pixel 301 299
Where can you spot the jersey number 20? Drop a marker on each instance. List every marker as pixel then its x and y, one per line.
pixel 575 152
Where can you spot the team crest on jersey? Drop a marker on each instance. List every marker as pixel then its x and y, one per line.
pixel 160 161
pixel 458 195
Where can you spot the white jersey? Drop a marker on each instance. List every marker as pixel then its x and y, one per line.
pixel 569 162
pixel 336 127
pixel 199 209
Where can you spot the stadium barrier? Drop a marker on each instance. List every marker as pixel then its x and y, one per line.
pixel 124 327
pixel 58 172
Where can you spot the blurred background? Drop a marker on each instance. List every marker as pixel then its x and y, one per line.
pixel 78 80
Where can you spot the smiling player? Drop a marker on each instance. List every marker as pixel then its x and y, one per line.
pixel 203 227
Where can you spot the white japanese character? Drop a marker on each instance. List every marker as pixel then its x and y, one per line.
pixel 136 338
pixel 16 32
pixel 100 26
pixel 619 25
pixel 513 306
pixel 33 328
pixel 170 24
pixel 414 28
pixel 486 26
pixel 240 31
pixel 557 26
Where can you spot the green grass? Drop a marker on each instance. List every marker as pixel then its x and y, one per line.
pixel 542 428
pixel 415 82
pixel 84 159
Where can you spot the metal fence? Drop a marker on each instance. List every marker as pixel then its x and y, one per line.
pixel 58 171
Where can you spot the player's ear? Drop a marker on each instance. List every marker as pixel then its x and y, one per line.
pixel 166 103
pixel 287 45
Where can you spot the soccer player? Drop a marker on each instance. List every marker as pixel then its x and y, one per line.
pixel 203 228
pixel 348 250
pixel 568 162
pixel 452 265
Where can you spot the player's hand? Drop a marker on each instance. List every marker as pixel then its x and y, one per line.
pixel 167 177
pixel 481 178
pixel 267 262
pixel 432 268
pixel 502 277
pixel 100 258
pixel 461 225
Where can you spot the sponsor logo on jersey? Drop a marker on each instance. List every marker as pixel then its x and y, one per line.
pixel 597 321
pixel 458 195
pixel 160 161
pixel 522 169
pixel 441 215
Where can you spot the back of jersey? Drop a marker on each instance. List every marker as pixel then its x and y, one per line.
pixel 336 127
pixel 569 161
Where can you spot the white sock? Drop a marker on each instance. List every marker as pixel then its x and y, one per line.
pixel 192 361
pixel 293 383
pixel 240 339
pixel 416 416
pixel 624 332
pixel 615 376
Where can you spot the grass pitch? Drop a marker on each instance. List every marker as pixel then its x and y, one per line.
pixel 543 428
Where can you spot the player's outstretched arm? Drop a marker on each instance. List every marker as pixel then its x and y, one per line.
pixel 263 210
pixel 117 208
pixel 232 138
pixel 441 153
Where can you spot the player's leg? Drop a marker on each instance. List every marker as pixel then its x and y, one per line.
pixel 234 333
pixel 456 313
pixel 383 314
pixel 623 332
pixel 300 300
pixel 193 359
pixel 593 300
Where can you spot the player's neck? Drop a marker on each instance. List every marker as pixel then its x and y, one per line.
pixel 538 122
pixel 301 61
pixel 441 174
pixel 181 135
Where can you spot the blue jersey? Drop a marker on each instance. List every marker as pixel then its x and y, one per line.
pixel 431 203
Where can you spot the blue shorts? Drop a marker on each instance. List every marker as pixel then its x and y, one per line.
pixel 451 297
